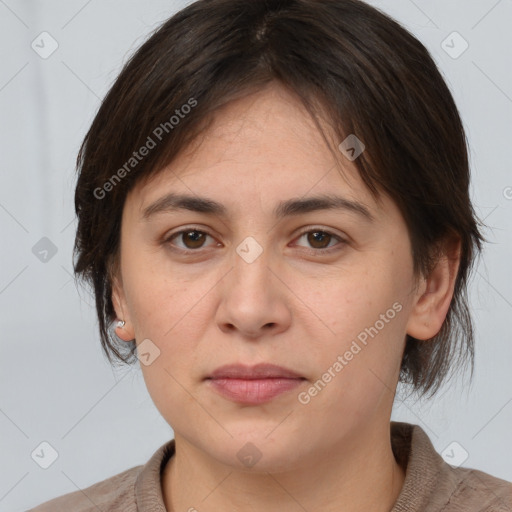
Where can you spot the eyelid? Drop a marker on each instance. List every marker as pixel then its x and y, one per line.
pixel 323 229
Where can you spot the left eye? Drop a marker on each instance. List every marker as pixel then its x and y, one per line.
pixel 319 239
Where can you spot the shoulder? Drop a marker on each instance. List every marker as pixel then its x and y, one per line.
pixel 114 493
pixel 433 485
pixel 135 489
pixel 474 490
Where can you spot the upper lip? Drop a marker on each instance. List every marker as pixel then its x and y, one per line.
pixel 259 371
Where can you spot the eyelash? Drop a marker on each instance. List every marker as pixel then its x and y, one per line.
pixel 316 252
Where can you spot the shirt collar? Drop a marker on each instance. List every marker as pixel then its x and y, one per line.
pixel 425 472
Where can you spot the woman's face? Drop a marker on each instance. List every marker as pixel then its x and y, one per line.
pixel 325 293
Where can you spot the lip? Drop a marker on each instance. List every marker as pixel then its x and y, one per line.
pixel 259 371
pixel 252 385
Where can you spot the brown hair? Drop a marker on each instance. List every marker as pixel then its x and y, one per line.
pixel 342 58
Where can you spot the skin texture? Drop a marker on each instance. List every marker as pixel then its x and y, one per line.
pixel 293 306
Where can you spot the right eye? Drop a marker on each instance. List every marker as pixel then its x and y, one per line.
pixel 191 239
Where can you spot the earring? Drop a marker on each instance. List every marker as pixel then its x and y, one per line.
pixel 120 323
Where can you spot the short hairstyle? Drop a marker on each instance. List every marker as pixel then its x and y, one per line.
pixel 349 64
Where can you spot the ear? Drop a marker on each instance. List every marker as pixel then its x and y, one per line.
pixel 126 333
pixel 434 293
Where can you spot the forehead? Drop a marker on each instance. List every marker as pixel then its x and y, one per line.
pixel 259 149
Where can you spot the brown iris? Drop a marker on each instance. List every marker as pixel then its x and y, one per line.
pixel 315 237
pixel 196 238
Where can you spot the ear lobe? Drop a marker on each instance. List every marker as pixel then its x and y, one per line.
pixel 126 332
pixel 435 295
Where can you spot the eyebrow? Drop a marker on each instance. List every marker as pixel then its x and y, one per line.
pixel 174 202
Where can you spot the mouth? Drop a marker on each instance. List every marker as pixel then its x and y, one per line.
pixel 253 385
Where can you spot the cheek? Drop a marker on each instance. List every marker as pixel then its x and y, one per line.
pixel 169 391
pixel 344 305
pixel 357 374
pixel 162 300
pixel 358 358
pixel 173 313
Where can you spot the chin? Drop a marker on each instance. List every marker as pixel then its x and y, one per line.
pixel 256 453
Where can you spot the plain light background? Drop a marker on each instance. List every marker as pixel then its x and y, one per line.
pixel 56 386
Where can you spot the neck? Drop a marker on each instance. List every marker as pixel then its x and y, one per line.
pixel 363 476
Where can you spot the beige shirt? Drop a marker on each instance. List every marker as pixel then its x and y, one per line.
pixel 430 483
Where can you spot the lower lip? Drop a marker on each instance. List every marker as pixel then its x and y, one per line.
pixel 253 391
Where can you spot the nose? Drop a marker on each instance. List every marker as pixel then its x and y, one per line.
pixel 254 300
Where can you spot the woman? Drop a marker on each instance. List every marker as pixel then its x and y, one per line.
pixel 274 214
